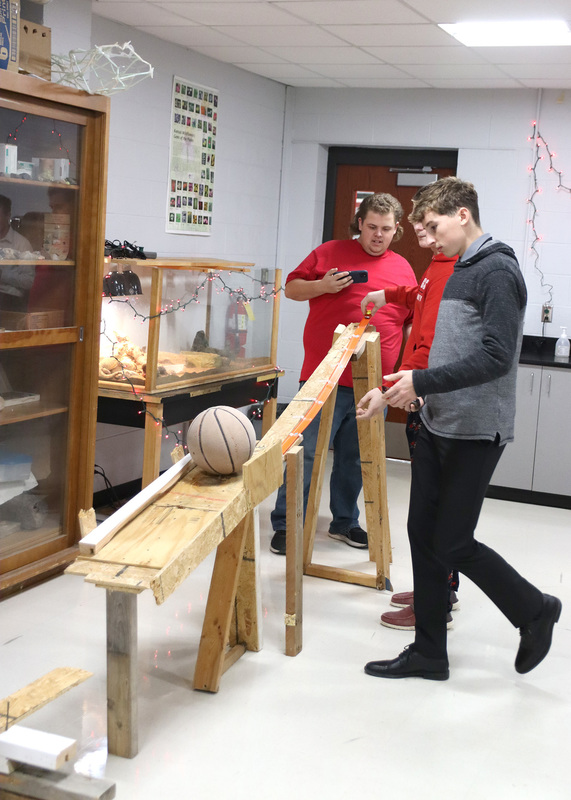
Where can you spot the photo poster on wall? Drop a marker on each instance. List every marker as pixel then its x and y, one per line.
pixel 194 119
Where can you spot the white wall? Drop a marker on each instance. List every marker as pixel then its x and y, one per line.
pixel 247 182
pixel 490 129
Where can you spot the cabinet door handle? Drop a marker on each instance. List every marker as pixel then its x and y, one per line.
pixel 549 384
pixel 531 380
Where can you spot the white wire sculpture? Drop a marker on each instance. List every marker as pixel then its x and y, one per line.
pixel 105 69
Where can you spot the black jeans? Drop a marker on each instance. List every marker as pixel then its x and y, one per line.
pixel 449 481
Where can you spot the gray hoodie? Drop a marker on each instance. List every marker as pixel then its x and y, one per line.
pixel 469 385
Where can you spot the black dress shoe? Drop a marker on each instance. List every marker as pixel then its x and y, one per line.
pixel 410 664
pixel 536 635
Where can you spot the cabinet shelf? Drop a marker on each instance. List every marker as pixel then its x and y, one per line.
pixel 29 411
pixel 33 262
pixel 31 182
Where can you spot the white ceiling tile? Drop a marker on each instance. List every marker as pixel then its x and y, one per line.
pixel 317 82
pixel 385 83
pixel 452 11
pixel 281 35
pixel 474 72
pixel 363 12
pixel 426 55
pixel 137 14
pixel 190 35
pixel 234 13
pixel 279 71
pixel 241 54
pixel 373 71
pixel 323 55
pixel 404 35
pixel 525 55
pixel 457 83
pixel 537 71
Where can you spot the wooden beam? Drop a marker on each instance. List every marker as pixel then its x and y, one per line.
pixel 248 605
pixel 36 748
pixel 263 473
pixel 317 475
pixel 122 701
pixel 31 783
pixel 294 551
pixel 94 541
pixel 19 705
pixel 344 575
pixel 219 608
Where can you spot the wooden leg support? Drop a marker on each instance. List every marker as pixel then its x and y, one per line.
pixel 294 551
pixel 212 654
pixel 122 707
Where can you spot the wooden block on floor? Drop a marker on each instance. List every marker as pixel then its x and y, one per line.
pixel 35 695
pixel 36 748
pixel 37 784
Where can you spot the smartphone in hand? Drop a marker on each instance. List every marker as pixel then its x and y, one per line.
pixel 359 275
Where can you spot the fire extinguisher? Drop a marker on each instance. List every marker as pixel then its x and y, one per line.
pixel 236 328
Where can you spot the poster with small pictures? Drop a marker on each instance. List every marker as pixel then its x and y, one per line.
pixel 192 160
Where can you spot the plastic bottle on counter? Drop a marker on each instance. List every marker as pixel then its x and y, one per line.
pixel 562 346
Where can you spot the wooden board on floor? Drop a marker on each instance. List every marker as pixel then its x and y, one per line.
pixel 31 783
pixel 19 705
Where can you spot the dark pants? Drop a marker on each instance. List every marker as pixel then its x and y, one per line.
pixel 449 481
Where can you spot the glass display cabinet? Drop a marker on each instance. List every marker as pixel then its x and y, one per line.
pixel 180 335
pixel 52 211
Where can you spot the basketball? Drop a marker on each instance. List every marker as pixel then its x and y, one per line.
pixel 220 440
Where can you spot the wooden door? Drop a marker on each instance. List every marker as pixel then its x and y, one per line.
pixel 353 178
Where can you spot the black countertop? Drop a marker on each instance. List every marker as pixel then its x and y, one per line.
pixel 540 351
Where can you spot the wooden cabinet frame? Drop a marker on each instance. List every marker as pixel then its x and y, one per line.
pixel 35 97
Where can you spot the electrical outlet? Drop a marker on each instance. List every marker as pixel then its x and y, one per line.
pixel 546 313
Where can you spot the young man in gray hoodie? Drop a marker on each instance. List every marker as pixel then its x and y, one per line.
pixel 468 416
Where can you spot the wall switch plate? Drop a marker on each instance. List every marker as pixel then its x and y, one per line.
pixel 546 313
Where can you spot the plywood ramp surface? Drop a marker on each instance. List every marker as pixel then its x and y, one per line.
pixel 175 520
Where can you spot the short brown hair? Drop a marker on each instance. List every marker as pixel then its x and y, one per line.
pixel 380 203
pixel 445 196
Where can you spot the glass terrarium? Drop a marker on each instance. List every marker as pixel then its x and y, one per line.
pixel 170 324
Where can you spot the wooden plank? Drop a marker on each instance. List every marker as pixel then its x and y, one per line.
pixel 152 441
pixel 263 473
pixel 309 391
pixel 219 608
pixel 94 541
pixel 31 782
pixel 317 476
pixel 248 605
pixel 367 374
pixel 36 748
pixel 203 540
pixel 122 700
pixel 344 575
pixel 232 655
pixel 294 551
pixel 19 705
pixel 87 521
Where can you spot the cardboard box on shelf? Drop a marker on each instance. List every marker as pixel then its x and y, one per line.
pixel 35 49
pixel 9 34
pixel 32 321
pixel 8 157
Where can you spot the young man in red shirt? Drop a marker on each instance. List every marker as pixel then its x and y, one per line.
pixel 324 279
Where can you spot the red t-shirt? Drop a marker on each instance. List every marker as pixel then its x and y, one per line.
pixel 329 310
pixel 424 300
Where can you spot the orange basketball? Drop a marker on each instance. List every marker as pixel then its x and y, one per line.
pixel 220 440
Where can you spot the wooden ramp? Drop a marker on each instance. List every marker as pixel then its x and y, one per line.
pixel 157 539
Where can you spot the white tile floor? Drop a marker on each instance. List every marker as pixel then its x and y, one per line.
pixel 316 726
